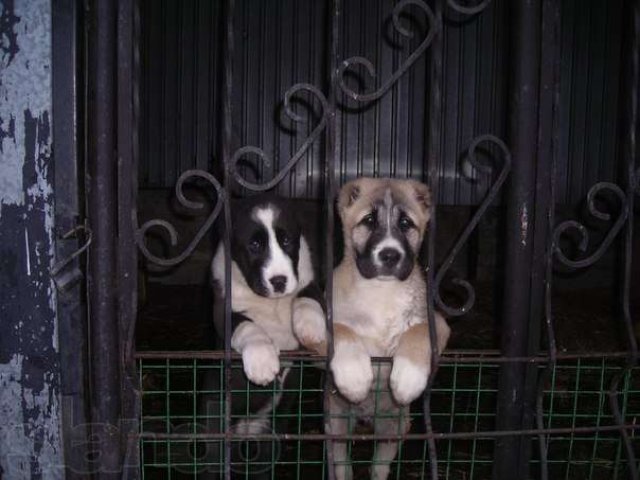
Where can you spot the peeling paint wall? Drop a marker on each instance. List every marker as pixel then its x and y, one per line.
pixel 30 443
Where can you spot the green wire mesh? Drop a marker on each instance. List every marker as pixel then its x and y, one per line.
pixel 463 399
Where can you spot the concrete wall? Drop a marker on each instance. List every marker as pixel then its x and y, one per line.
pixel 30 439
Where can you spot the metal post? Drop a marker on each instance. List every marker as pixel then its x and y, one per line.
pixel 333 147
pixel 433 164
pixel 520 215
pixel 127 260
pixel 227 119
pixel 72 319
pixel 101 168
pixel 629 129
pixel 542 218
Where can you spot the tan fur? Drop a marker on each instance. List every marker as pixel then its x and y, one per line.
pixel 379 318
pixel 413 346
pixel 340 332
pixel 355 199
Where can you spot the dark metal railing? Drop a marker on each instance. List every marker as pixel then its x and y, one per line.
pixel 524 188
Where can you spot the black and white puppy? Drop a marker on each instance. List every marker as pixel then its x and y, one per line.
pixel 274 298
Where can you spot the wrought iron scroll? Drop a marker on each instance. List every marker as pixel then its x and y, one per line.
pixel 171 230
pixel 262 155
pixel 433 28
pixel 489 197
pixel 466 10
pixel 582 230
pixel 626 202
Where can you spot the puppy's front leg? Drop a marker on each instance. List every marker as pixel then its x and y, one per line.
pixel 340 424
pixel 391 422
pixel 351 364
pixel 308 318
pixel 412 360
pixel 259 354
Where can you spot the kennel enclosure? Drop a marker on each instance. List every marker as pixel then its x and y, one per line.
pixel 525 409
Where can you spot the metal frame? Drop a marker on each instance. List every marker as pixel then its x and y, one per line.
pixel 533 239
pixel 71 241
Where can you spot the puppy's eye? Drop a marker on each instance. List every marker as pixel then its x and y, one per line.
pixel 255 245
pixel 284 239
pixel 405 223
pixel 369 220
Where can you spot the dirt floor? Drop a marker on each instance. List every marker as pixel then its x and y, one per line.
pixel 176 317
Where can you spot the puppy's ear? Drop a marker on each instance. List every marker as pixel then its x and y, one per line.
pixel 422 195
pixel 349 194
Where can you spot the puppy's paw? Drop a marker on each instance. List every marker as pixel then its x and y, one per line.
pixel 352 372
pixel 408 379
pixel 261 363
pixel 309 324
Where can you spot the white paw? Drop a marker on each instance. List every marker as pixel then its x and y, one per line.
pixel 261 363
pixel 309 322
pixel 352 372
pixel 408 380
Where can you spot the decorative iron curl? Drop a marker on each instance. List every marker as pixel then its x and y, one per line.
pixel 170 229
pixel 489 197
pixel 463 9
pixel 584 234
pixel 434 27
pixel 262 155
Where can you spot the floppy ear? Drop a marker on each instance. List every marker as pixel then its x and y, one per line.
pixel 349 193
pixel 422 194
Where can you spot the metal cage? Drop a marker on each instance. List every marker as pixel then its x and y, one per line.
pixel 527 410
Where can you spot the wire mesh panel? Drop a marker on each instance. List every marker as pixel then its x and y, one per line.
pixel 583 442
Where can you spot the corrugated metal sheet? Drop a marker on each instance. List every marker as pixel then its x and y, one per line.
pixel 278 44
pixel 179 80
pixel 283 42
pixel 589 82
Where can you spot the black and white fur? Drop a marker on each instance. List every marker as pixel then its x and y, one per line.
pixel 273 289
pixel 275 302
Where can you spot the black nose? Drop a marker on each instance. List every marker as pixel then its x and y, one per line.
pixel 279 283
pixel 389 257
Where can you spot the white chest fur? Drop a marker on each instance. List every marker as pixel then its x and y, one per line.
pixel 273 315
pixel 379 312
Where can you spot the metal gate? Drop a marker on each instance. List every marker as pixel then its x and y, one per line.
pixel 523 414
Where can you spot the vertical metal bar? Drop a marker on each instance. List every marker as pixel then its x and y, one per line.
pixel 630 128
pixel 630 102
pixel 523 128
pixel 128 68
pixel 226 156
pixel 101 168
pixel 333 146
pixel 541 220
pixel 548 148
pixel 71 306
pixel 434 153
